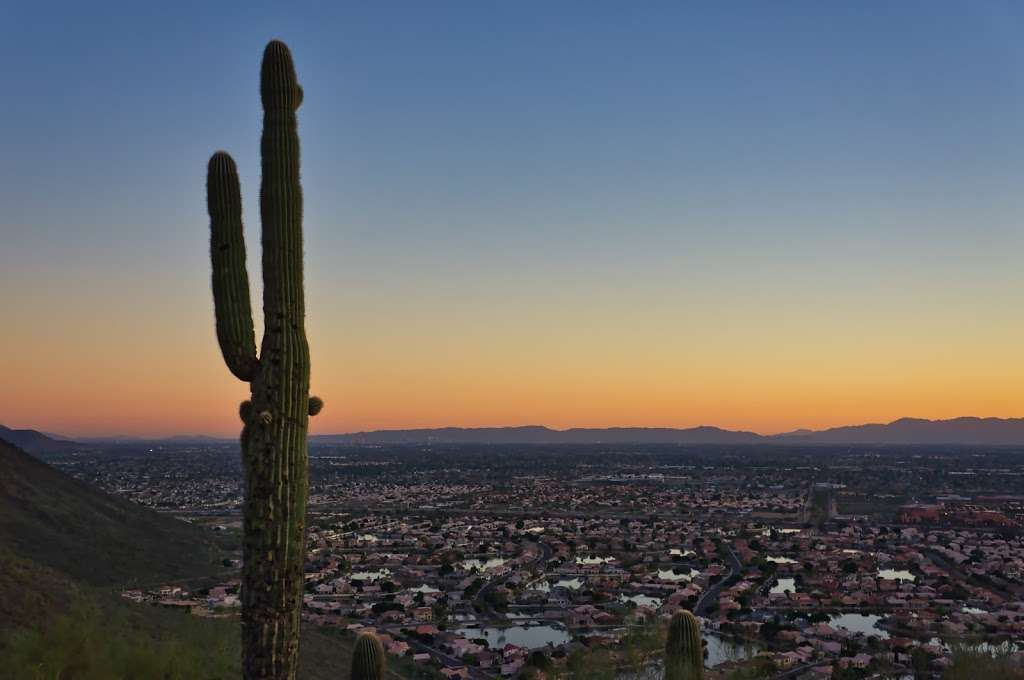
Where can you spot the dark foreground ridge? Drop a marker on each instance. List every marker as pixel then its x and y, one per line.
pixel 68 548
pixel 36 442
pixel 55 522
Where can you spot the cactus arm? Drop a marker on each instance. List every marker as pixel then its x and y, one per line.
pixel 316 404
pixel 230 280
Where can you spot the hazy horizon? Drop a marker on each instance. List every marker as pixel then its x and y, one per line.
pixel 784 216
pixel 234 435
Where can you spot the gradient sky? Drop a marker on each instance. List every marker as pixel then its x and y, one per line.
pixel 756 215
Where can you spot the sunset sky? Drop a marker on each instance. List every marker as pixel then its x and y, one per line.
pixel 761 215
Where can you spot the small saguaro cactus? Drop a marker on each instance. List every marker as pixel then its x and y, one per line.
pixel 684 650
pixel 367 658
pixel 276 418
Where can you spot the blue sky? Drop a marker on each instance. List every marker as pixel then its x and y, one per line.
pixel 818 165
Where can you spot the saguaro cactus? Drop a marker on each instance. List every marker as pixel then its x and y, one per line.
pixel 276 418
pixel 684 651
pixel 367 658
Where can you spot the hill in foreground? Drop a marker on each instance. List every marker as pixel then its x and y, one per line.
pixel 65 525
pixel 67 548
pixel 36 442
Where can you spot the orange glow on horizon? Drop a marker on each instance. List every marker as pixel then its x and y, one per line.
pixel 116 392
pixel 151 367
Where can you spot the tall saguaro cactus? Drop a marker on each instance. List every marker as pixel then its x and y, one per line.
pixel 684 650
pixel 276 418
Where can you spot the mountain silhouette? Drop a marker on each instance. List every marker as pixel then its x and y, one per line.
pixel 957 431
pixel 36 442
pixel 73 533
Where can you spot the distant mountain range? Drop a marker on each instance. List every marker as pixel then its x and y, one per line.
pixel 538 434
pixel 962 431
pixel 976 431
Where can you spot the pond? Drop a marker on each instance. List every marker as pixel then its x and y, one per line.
pixel 641 600
pixel 859 623
pixel 530 637
pixel 570 583
pixel 482 565
pixel 545 586
pixel 720 650
pixel 369 575
pixel 784 585
pixel 767 531
pixel 425 589
pixel 993 648
pixel 680 575
pixel 896 575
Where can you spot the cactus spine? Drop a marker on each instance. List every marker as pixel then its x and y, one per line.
pixel 684 651
pixel 368 658
pixel 276 419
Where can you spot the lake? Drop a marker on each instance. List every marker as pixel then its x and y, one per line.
pixel 641 600
pixel 720 650
pixel 682 575
pixel 859 623
pixel 545 586
pixel 370 575
pixel 482 565
pixel 424 589
pixel 530 637
pixel 896 575
pixel 784 585
pixel 767 531
pixel 570 583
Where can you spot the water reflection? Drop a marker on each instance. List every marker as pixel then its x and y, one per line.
pixel 482 565
pixel 678 574
pixel 641 600
pixel 859 623
pixel 546 586
pixel 896 575
pixel 424 589
pixel 719 649
pixel 530 637
pixel 784 585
